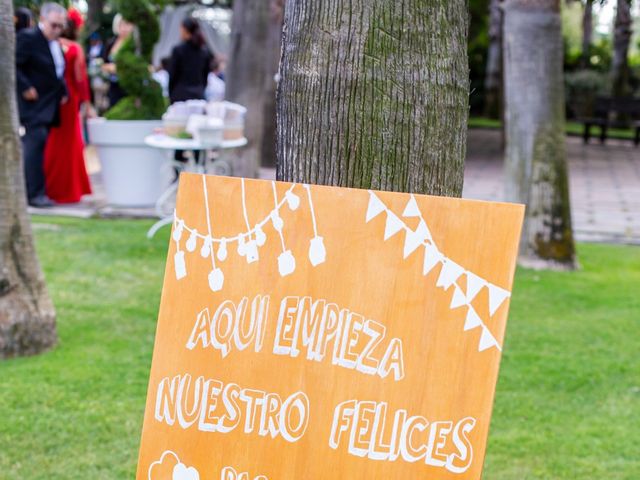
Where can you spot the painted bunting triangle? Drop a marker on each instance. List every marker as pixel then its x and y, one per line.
pixel 486 340
pixel 375 207
pixel 423 230
pixel 473 320
pixel 415 238
pixel 459 299
pixel 497 296
pixel 450 272
pixel 411 210
pixel 431 258
pixel 393 226
pixel 474 285
pixel 411 242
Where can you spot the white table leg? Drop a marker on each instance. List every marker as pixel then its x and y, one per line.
pixel 158 225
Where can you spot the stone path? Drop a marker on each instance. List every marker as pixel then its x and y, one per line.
pixel 604 183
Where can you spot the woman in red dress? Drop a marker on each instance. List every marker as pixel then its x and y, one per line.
pixel 64 168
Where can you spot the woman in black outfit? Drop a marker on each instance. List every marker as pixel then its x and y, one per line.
pixel 189 66
pixel 123 30
pixel 22 18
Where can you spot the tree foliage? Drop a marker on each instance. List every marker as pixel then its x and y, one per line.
pixel 35 5
pixel 144 99
pixel 477 50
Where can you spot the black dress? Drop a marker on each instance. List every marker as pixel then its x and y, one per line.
pixel 188 71
pixel 116 92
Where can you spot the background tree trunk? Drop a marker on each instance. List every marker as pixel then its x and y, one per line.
pixel 27 318
pixel 374 94
pixel 269 139
pixel 493 78
pixel 621 40
pixel 587 34
pixel 535 162
pixel 94 15
pixel 254 56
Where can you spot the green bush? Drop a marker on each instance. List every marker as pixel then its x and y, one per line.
pixel 582 87
pixel 601 53
pixel 144 99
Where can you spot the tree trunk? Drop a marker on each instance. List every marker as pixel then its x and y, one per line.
pixel 536 163
pixel 621 40
pixel 27 317
pixel 493 78
pixel 94 14
pixel 374 94
pixel 255 52
pixel 269 151
pixel 587 34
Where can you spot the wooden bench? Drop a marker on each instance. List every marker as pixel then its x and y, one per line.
pixel 607 114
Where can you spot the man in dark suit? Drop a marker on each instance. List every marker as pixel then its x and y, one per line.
pixel 41 90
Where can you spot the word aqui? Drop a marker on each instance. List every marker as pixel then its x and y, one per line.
pixel 216 407
pixel 231 326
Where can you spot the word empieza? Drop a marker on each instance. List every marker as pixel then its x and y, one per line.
pixel 368 430
pixel 316 328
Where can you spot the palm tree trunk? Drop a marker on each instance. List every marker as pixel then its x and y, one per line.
pixel 621 40
pixel 94 14
pixel 255 52
pixel 374 94
pixel 27 317
pixel 269 139
pixel 536 162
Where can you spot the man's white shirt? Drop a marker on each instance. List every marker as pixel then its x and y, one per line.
pixel 58 56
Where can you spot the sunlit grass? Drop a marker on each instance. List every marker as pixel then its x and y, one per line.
pixel 572 128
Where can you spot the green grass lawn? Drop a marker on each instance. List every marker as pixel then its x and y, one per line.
pixel 572 128
pixel 567 407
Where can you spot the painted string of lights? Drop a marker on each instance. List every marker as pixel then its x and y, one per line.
pixel 450 273
pixel 249 241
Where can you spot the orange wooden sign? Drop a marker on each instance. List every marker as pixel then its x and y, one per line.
pixel 310 332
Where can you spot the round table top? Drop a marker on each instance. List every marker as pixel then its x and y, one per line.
pixel 166 142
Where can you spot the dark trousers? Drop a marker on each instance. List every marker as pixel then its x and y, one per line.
pixel 33 143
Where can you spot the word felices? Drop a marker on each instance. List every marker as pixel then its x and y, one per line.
pixel 363 427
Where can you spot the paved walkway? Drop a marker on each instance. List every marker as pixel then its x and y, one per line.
pixel 605 187
pixel 604 184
